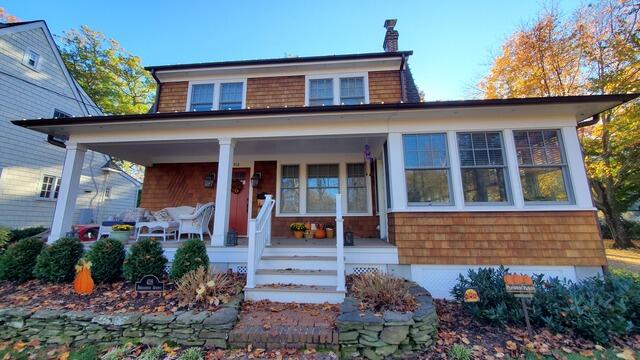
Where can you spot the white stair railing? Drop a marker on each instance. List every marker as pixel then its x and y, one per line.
pixel 340 244
pixel 259 238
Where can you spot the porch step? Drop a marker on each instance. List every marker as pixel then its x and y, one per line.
pixel 310 294
pixel 280 262
pixel 297 276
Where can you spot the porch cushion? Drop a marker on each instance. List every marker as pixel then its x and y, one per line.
pixel 177 212
pixel 162 215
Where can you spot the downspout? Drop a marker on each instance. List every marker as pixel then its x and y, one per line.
pixel 403 92
pixel 154 107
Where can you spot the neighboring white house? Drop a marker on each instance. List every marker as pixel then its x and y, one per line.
pixel 34 83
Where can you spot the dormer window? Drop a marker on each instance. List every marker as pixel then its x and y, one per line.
pixel 340 89
pixel 216 95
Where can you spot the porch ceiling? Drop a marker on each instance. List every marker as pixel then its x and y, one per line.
pixel 153 152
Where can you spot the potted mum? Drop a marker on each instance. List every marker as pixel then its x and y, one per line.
pixel 298 230
pixel 121 232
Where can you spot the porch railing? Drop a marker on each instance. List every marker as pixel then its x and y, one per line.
pixel 259 238
pixel 339 245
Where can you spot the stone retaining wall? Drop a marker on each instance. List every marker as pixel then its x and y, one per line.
pixel 394 334
pixel 75 328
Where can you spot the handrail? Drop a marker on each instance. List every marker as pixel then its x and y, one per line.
pixel 259 238
pixel 340 245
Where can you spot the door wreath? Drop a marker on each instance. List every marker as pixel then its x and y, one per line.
pixel 236 186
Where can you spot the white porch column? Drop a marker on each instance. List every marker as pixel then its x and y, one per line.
pixel 223 192
pixel 397 180
pixel 66 204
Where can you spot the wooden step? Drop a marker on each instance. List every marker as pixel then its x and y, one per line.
pixel 310 294
pixel 297 276
pixel 278 262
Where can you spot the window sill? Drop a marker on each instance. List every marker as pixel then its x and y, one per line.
pixel 309 215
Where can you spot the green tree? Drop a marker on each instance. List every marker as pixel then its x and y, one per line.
pixel 595 51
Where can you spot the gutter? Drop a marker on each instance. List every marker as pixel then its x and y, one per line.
pixel 55 142
pixel 594 120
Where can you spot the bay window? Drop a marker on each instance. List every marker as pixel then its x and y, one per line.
pixel 323 184
pixel 483 167
pixel 290 189
pixel 542 166
pixel 426 165
pixel 356 188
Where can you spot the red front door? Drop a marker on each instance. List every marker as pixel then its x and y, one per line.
pixel 239 209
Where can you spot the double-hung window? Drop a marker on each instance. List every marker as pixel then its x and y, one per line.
pixel 352 91
pixel 483 167
pixel 356 188
pixel 320 92
pixel 202 97
pixel 50 187
pixel 230 96
pixel 323 184
pixel 542 165
pixel 426 164
pixel 290 189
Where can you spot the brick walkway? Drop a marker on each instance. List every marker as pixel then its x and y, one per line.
pixel 276 325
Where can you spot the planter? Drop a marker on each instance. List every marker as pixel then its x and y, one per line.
pixel 330 233
pixel 320 234
pixel 120 235
pixel 298 234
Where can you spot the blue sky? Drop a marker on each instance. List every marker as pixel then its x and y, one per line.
pixel 452 40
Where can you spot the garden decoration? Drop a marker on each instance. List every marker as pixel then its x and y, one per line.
pixel 236 186
pixel 471 295
pixel 150 283
pixel 521 286
pixel 298 230
pixel 83 284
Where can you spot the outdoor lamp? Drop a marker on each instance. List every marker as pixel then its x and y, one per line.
pixel 255 179
pixel 209 179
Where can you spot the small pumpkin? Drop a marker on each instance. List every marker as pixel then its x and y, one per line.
pixel 83 284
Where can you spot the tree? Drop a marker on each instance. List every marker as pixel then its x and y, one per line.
pixel 5 17
pixel 595 51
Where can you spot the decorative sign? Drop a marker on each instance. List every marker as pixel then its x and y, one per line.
pixel 519 285
pixel 471 296
pixel 149 283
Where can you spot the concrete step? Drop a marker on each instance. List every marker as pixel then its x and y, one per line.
pixel 304 294
pixel 298 262
pixel 297 276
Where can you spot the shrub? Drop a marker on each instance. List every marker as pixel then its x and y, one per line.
pixel 106 256
pixel 19 234
pixel 459 352
pixel 203 286
pixel 379 292
pixel 154 353
pixel 5 238
pixel 87 352
pixel 146 257
pixel 56 263
pixel 17 263
pixel 193 353
pixel 191 255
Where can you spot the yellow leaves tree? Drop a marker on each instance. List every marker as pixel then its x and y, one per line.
pixel 594 51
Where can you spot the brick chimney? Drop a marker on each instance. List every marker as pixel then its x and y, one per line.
pixel 390 43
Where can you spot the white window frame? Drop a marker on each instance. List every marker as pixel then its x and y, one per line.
pixel 56 179
pixel 448 168
pixel 342 168
pixel 336 84
pixel 216 91
pixel 27 56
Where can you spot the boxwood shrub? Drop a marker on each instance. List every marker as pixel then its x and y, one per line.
pixel 191 255
pixel 146 257
pixel 17 263
pixel 56 263
pixel 106 256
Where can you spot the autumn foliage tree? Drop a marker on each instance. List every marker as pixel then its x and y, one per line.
pixel 594 51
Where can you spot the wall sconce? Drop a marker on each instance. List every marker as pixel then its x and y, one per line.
pixel 209 180
pixel 255 179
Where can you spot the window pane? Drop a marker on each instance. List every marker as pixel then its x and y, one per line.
pixel 484 185
pixel 289 189
pixel 230 96
pixel 356 188
pixel 320 92
pixel 543 184
pixel 57 191
pixel 427 186
pixel 431 151
pixel 322 187
pixel 202 97
pixel 352 91
pixel 47 186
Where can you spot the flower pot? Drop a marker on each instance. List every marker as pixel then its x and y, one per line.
pixel 298 234
pixel 320 234
pixel 330 233
pixel 120 235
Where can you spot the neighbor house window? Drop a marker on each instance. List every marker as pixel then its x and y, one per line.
pixel 202 97
pixel 107 192
pixel 50 187
pixel 351 91
pixel 356 188
pixel 542 164
pixel 323 184
pixel 320 92
pixel 426 168
pixel 31 59
pixel 230 96
pixel 483 167
pixel 290 189
pixel 58 114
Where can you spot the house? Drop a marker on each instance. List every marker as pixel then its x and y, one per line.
pixel 34 83
pixel 427 189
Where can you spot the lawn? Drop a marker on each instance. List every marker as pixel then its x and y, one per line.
pixel 628 259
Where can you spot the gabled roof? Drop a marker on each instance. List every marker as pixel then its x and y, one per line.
pixel 6 25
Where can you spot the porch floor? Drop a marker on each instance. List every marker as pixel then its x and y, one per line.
pixel 289 242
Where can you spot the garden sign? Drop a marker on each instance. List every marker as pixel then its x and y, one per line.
pixel 150 283
pixel 521 286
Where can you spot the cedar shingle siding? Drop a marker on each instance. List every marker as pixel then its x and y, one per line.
pixel 494 238
pixel 169 185
pixel 173 96
pixel 277 91
pixel 384 86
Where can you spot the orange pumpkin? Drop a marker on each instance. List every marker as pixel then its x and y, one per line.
pixel 83 284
